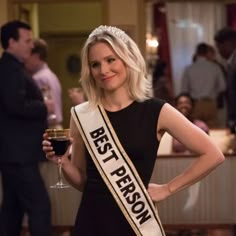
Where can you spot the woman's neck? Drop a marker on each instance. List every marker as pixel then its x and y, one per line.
pixel 116 101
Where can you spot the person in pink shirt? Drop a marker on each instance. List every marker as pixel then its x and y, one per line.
pixel 185 104
pixel 47 81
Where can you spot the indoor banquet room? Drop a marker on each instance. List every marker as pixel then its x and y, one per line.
pixel 189 51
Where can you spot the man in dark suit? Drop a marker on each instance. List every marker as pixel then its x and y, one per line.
pixel 226 43
pixel 23 119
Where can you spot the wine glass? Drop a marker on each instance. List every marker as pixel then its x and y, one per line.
pixel 47 96
pixel 60 142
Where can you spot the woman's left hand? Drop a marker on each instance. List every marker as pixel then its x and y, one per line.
pixel 158 192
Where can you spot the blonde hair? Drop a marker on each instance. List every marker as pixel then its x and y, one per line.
pixel 126 49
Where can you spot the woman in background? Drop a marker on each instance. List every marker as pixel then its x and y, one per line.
pixel 184 103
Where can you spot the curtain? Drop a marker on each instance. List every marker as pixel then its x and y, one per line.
pixel 190 23
pixel 231 16
pixel 160 26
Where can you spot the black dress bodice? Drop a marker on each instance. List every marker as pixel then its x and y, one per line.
pixel 136 128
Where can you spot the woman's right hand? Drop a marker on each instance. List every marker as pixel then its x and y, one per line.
pixel 50 154
pixel 48 149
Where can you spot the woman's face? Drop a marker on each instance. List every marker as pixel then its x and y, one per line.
pixel 107 69
pixel 184 105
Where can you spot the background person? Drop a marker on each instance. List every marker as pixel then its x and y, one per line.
pixel 184 103
pixel 160 82
pixel 204 80
pixel 113 76
pixel 23 119
pixel 76 96
pixel 47 80
pixel 225 40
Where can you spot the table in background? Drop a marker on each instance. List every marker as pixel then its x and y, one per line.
pixel 215 204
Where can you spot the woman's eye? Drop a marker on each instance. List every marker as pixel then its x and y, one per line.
pixel 110 60
pixel 94 65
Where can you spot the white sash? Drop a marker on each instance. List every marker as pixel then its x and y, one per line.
pixel 117 170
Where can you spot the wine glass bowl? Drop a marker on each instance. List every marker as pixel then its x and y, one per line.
pixel 60 141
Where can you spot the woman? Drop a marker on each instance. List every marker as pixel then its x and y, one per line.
pixel 113 77
pixel 184 103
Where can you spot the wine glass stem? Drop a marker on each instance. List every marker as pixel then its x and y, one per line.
pixel 60 171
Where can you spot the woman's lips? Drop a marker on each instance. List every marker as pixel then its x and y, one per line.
pixel 107 78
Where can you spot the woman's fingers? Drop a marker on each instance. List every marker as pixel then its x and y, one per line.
pixel 50 154
pixel 48 149
pixel 45 136
pixel 46 143
pixel 47 146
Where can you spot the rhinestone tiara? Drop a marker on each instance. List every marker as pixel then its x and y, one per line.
pixel 116 32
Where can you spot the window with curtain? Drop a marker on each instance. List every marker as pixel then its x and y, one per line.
pixel 190 23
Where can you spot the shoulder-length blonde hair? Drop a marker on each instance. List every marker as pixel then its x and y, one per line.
pixel 138 86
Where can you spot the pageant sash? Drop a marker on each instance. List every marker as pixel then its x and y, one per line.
pixel 117 170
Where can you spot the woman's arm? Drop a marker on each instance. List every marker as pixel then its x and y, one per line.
pixel 197 141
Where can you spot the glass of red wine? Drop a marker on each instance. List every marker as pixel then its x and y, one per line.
pixel 60 141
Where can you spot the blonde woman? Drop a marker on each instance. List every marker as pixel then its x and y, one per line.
pixel 116 135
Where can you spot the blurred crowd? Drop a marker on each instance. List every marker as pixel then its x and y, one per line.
pixel 208 85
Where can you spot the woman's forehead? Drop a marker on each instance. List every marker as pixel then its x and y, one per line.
pixel 100 50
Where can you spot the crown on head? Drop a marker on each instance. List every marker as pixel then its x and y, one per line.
pixel 116 32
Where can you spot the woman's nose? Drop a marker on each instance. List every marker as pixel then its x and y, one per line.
pixel 104 68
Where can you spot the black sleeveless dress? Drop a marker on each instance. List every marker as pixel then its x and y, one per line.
pixel 135 126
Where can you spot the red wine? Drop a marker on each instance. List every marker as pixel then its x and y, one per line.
pixel 60 145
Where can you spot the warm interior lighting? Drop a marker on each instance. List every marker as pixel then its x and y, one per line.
pixel 151 50
pixel 151 44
